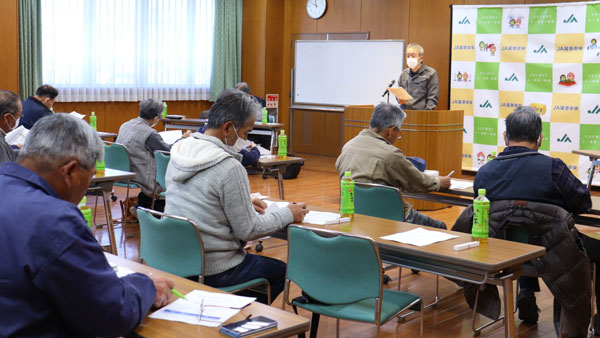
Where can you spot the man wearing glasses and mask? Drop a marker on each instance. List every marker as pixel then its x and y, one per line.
pixel 10 113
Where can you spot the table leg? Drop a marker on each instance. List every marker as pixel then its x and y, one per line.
pixel 509 318
pixel 595 162
pixel 109 222
pixel 280 171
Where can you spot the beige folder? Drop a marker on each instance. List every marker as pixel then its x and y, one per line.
pixel 401 95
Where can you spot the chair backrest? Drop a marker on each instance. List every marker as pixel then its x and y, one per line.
pixel 338 269
pixel 378 201
pixel 171 243
pixel 162 162
pixel 116 157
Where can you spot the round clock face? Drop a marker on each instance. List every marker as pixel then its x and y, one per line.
pixel 316 8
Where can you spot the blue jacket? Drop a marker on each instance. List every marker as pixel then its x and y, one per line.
pixel 33 110
pixel 54 278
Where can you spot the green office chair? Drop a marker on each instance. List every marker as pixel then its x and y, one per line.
pixel 342 274
pixel 378 201
pixel 116 157
pixel 162 162
pixel 174 244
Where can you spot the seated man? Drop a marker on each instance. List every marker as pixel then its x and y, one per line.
pixel 520 172
pixel 141 140
pixel 38 106
pixel 243 86
pixel 207 183
pixel 55 280
pixel 372 158
pixel 10 113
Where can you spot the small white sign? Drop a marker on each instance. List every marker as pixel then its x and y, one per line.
pixel 272 100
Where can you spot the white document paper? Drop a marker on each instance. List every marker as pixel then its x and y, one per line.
pixel 419 237
pixel 215 308
pixel 324 218
pixel 77 115
pixel 170 136
pixel 460 185
pixel 259 195
pixel 273 206
pixel 120 270
pixel 17 136
pixel 263 151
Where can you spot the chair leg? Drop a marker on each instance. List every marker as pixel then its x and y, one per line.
pixel 337 328
pixel 422 319
pixel 399 277
pixel 314 325
pixel 95 208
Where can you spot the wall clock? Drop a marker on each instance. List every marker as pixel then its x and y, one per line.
pixel 316 8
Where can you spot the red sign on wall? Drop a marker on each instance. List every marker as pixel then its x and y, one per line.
pixel 272 100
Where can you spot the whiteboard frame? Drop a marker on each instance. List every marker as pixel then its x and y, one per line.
pixel 293 75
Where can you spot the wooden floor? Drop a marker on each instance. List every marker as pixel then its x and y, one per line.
pixel 318 185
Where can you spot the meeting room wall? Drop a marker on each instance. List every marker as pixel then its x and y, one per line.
pixel 268 69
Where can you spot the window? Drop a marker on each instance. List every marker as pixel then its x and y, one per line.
pixel 128 50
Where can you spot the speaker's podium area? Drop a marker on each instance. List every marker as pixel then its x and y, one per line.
pixel 434 135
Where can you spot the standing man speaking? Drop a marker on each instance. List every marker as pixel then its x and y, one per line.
pixel 419 80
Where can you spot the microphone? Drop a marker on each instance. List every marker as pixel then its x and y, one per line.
pixel 390 85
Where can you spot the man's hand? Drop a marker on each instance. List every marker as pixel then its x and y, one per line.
pixel 187 133
pixel 163 289
pixel 19 145
pixel 298 209
pixel 259 205
pixel 444 182
pixel 252 145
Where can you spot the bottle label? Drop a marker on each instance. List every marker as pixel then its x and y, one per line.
pixel 93 122
pixel 265 116
pixel 347 194
pixel 481 222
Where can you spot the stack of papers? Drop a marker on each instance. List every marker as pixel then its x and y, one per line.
pixel 460 185
pixel 419 237
pixel 17 136
pixel 203 308
pixel 324 218
pixel 120 270
pixel 170 136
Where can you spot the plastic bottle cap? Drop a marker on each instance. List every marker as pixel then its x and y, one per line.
pixel 83 200
pixel 282 132
pixel 348 173
pixel 481 191
pixel 93 113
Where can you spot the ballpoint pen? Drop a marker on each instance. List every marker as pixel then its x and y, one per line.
pixel 450 174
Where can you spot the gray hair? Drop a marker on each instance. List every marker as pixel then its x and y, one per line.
pixel 9 102
pixel 387 115
pixel 59 138
pixel 418 47
pixel 523 124
pixel 232 105
pixel 150 108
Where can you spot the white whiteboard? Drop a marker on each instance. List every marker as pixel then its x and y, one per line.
pixel 345 72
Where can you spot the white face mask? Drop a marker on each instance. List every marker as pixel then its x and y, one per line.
pixel 412 62
pixel 239 143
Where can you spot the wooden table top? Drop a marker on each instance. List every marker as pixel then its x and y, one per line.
pixel 590 231
pixel 491 257
pixel 288 324
pixel 112 175
pixel 274 160
pixel 595 154
pixel 104 135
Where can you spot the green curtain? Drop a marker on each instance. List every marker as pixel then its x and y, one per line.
pixel 227 47
pixel 30 47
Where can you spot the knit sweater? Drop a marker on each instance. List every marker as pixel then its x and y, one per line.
pixel 207 183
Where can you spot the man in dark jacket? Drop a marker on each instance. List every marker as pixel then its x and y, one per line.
pixel 520 172
pixel 38 106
